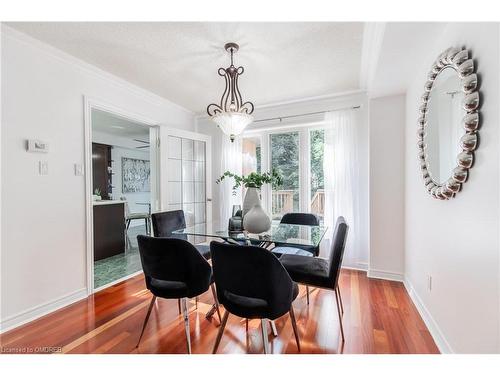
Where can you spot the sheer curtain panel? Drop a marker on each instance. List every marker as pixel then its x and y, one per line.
pixel 341 175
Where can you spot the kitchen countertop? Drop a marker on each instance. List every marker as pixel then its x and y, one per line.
pixel 104 202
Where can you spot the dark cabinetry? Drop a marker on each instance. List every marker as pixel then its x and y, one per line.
pixel 109 230
pixel 102 172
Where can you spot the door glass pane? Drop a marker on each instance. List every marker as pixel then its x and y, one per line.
pixel 285 159
pixel 317 206
pixel 187 180
pixel 187 149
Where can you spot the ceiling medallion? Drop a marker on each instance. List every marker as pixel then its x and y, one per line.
pixel 232 115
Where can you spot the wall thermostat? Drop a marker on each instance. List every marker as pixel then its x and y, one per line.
pixel 34 145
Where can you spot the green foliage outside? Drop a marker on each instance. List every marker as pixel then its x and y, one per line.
pixel 317 152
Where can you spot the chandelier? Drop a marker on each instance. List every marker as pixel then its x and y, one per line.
pixel 232 115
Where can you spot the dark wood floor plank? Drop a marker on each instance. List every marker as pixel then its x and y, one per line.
pixel 379 317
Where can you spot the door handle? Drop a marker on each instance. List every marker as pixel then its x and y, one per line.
pixel 209 199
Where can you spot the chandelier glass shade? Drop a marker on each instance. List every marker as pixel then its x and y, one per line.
pixel 232 123
pixel 231 114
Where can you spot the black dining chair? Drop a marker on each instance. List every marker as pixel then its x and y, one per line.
pixel 164 223
pixel 253 284
pixel 321 272
pixel 298 218
pixel 174 269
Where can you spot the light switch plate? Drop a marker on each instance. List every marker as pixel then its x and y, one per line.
pixel 78 169
pixel 43 167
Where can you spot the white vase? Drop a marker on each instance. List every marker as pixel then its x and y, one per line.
pixel 251 199
pixel 256 220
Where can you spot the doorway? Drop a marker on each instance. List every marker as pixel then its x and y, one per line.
pixel 122 191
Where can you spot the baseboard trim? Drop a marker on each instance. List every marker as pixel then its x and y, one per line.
pixel 385 275
pixel 360 266
pixel 43 309
pixel 438 336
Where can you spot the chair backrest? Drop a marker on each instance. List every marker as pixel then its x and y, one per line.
pixel 127 207
pixel 337 250
pixel 300 218
pixel 173 259
pixel 254 272
pixel 164 223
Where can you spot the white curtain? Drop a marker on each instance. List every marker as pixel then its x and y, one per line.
pixel 341 174
pixel 231 160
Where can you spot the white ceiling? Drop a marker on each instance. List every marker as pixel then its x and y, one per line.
pixel 179 61
pixel 110 123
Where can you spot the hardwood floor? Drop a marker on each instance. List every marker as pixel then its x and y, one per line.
pixel 379 317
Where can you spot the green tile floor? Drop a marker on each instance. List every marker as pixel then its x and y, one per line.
pixel 121 265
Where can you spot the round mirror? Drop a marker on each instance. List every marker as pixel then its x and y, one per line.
pixel 448 123
pixel 444 116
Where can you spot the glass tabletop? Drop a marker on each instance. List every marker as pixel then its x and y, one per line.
pixel 307 235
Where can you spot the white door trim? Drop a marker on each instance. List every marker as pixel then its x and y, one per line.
pixel 90 103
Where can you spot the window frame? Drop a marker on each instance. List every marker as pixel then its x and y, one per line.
pixel 304 130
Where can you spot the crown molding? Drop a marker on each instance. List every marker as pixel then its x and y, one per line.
pixel 373 36
pixel 43 47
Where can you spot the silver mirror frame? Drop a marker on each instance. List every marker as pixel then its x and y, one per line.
pixel 459 60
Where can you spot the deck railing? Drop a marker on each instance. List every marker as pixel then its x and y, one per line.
pixel 282 201
pixel 318 203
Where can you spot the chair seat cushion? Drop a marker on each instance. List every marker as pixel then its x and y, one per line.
pixel 168 289
pixel 314 250
pixel 203 250
pixel 308 270
pixel 249 307
pixel 291 250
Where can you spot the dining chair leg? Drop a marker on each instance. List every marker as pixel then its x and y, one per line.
pixel 265 341
pixel 179 305
pixel 216 301
pixel 146 320
pixel 340 316
pixel 221 331
pixel 273 328
pixel 294 325
pixel 128 223
pixel 246 325
pixel 340 299
pixel 196 303
pixel 186 324
pixel 307 294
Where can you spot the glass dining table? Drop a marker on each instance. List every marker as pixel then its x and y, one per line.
pixel 278 234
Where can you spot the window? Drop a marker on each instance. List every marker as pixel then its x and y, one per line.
pixel 284 150
pixel 317 138
pixel 298 156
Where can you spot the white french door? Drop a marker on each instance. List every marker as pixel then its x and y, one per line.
pixel 186 163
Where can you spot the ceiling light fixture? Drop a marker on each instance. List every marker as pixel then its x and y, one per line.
pixel 232 115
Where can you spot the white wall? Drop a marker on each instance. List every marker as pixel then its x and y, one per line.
pixel 43 217
pixel 205 125
pixel 387 146
pixel 456 241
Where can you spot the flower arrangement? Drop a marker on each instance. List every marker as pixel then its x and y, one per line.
pixel 254 179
